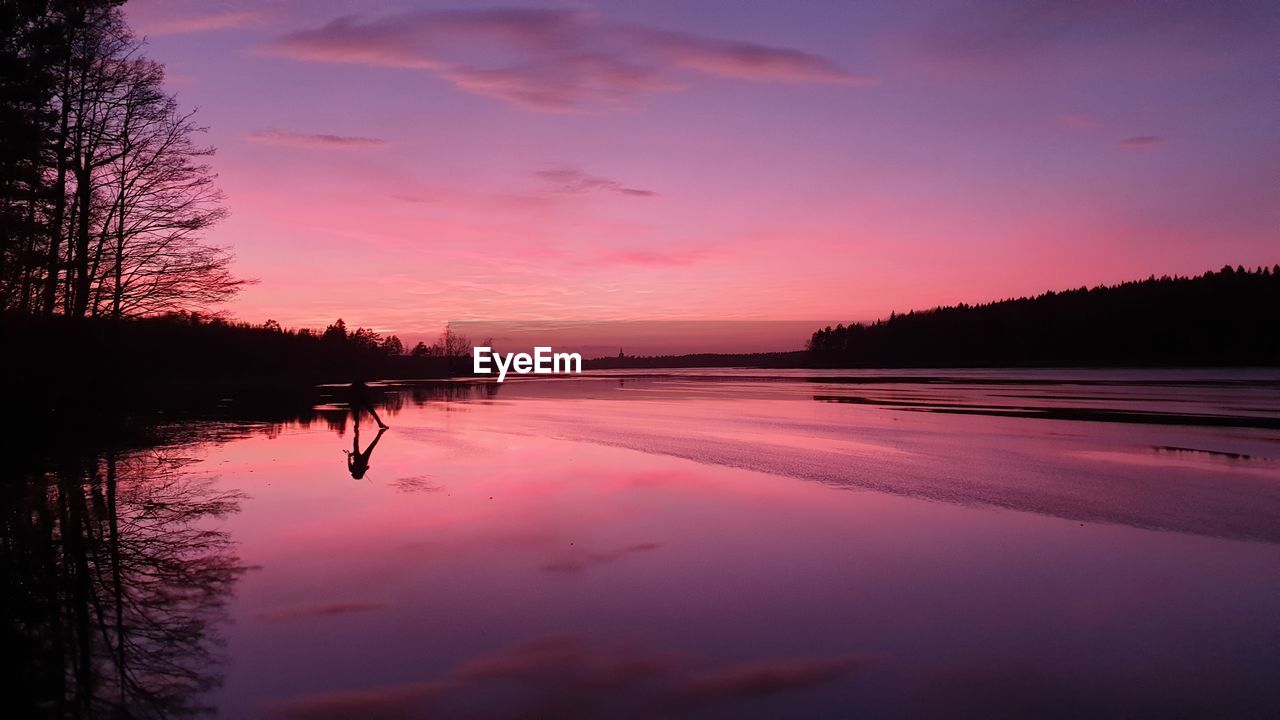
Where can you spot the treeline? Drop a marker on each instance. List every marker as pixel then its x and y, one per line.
pixel 105 191
pixel 1229 317
pixel 62 360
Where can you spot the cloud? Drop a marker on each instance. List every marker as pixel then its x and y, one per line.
pixel 573 180
pixel 651 258
pixel 1015 35
pixel 582 560
pixel 571 677
pixel 1078 122
pixel 315 141
pixel 202 23
pixel 753 681
pixel 416 483
pixel 563 84
pixel 416 199
pixel 1140 141
pixel 746 61
pixel 318 611
pixel 552 60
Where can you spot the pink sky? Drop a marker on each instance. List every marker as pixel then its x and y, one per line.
pixel 403 164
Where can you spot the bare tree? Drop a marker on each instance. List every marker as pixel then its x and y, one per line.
pixel 164 197
pixel 121 188
pixel 94 106
pixel 451 344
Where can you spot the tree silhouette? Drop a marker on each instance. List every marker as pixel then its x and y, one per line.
pixel 104 193
pixel 392 346
pixel 336 332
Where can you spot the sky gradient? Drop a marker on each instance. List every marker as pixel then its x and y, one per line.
pixel 403 164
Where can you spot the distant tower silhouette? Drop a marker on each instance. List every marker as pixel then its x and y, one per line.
pixel 620 353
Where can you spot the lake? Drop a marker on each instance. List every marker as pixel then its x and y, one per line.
pixel 710 544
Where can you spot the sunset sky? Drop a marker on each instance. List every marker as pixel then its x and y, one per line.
pixel 403 164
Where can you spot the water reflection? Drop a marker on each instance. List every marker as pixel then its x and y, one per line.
pixel 659 547
pixel 357 459
pixel 572 676
pixel 115 583
pixel 360 401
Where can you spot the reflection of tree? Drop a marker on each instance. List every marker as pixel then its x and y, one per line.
pixel 115 581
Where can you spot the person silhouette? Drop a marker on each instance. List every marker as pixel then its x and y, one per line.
pixel 358 462
pixel 361 401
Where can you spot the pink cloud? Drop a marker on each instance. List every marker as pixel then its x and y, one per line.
pixel 746 61
pixel 1140 141
pixel 542 677
pixel 574 180
pixel 319 611
pixel 564 84
pixel 343 41
pixel 651 258
pixel 203 23
pixel 315 141
pixel 549 59
pixel 1078 122
pixel 582 559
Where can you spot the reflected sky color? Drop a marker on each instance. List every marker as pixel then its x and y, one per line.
pixel 715 546
pixel 401 164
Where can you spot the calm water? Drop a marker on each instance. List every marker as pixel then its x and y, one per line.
pixel 707 544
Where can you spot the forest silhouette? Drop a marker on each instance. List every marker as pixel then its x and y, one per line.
pixel 1224 318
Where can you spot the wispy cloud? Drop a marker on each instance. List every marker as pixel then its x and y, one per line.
pixel 1140 141
pixel 542 677
pixel 580 561
pixel 315 141
pixel 650 258
pixel 574 180
pixel 753 681
pixel 746 61
pixel 310 611
pixel 1078 122
pixel 550 59
pixel 1010 35
pixel 417 484
pixel 416 198
pixel 202 23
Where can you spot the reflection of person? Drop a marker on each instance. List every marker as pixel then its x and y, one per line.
pixel 362 402
pixel 358 462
